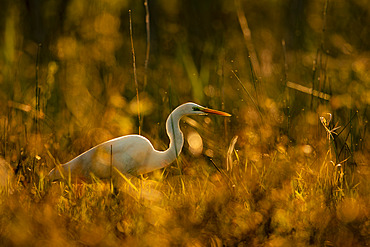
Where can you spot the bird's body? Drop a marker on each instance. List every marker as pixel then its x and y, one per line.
pixel 131 154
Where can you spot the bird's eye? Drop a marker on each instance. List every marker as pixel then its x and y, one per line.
pixel 195 108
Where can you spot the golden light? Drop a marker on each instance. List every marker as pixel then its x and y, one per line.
pixel 307 149
pixel 195 143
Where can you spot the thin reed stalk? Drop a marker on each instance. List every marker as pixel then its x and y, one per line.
pixel 135 74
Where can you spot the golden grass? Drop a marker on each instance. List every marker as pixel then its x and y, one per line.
pixel 280 197
pixel 279 172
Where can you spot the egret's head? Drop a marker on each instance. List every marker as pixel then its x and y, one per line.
pixel 195 109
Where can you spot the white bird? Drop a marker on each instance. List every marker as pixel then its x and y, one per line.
pixel 131 154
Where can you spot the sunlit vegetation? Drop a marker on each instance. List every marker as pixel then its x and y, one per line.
pixel 289 168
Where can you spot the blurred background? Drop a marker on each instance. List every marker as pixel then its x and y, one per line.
pixel 67 83
pixel 68 65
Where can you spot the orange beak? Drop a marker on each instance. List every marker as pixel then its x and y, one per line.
pixel 211 111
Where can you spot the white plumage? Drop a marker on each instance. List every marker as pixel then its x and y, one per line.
pixel 131 154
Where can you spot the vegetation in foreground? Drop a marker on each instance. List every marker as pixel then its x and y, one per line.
pixel 290 168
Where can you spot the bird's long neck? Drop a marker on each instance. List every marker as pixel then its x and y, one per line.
pixel 175 135
pixel 160 159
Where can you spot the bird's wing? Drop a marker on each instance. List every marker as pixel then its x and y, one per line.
pixel 128 154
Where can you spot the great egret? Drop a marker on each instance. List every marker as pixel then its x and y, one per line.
pixel 131 154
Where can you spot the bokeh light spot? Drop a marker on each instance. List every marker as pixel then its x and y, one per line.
pixel 195 143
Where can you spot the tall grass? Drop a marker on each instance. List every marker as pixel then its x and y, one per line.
pixel 289 168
